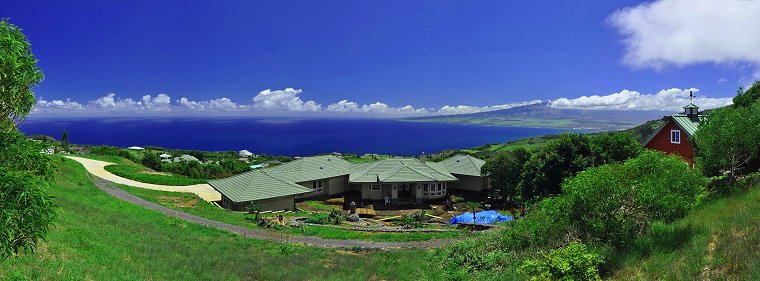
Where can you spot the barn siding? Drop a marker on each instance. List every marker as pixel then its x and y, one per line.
pixel 661 142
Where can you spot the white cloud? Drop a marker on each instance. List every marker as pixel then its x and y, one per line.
pixel 685 32
pixel 464 109
pixel 665 100
pixel 110 101
pixel 377 108
pixel 162 100
pixel 57 105
pixel 283 100
pixel 343 106
pixel 219 105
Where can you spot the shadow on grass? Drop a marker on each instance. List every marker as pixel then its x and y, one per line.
pixel 662 238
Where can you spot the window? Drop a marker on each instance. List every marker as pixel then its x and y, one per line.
pixel 316 186
pixel 375 187
pixel 675 136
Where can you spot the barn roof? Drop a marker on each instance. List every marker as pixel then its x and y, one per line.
pixel 690 124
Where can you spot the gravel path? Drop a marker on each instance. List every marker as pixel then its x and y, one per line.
pixel 111 189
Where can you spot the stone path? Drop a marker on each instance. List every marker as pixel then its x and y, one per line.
pixel 97 168
pixel 110 188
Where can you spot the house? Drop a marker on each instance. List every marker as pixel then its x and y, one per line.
pixel 467 169
pixel 135 148
pixel 165 157
pixel 185 158
pixel 80 149
pixel 245 153
pixel 399 180
pixel 675 135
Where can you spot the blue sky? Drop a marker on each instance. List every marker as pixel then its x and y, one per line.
pixel 386 54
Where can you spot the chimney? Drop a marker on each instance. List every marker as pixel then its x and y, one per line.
pixel 423 158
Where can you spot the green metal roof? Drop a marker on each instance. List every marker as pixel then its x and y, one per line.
pixel 400 170
pixel 690 106
pixel 256 185
pixel 690 124
pixel 282 180
pixel 311 168
pixel 463 165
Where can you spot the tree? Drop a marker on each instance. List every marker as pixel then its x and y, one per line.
pixel 26 210
pixel 473 206
pixel 747 98
pixel 729 139
pixel 18 75
pixel 559 159
pixel 615 147
pixel 151 160
pixel 504 171
pixel 65 140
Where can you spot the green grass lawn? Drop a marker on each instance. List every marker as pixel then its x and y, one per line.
pixel 142 175
pixel 190 203
pixel 98 237
pixel 720 240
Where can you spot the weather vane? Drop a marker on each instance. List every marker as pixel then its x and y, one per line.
pixel 691 96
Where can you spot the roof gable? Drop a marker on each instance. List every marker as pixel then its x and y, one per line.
pixel 312 168
pixel 463 165
pixel 689 124
pixel 256 185
pixel 400 170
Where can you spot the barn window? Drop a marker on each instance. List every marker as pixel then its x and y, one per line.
pixel 375 187
pixel 675 136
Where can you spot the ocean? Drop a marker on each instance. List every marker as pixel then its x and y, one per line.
pixel 279 136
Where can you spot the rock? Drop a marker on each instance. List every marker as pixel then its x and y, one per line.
pixel 353 217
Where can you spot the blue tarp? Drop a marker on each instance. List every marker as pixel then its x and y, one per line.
pixel 483 217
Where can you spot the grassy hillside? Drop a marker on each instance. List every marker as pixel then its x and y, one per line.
pixel 98 237
pixel 720 240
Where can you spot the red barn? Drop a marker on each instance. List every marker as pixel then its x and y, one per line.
pixel 675 135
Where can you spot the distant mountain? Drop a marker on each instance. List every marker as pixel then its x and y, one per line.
pixel 543 116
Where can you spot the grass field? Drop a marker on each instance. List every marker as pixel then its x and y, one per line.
pixel 142 175
pixel 190 203
pixel 98 237
pixel 720 240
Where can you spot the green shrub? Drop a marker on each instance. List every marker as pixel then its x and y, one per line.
pixel 572 262
pixel 616 203
pixel 408 221
pixel 318 218
pixel 336 217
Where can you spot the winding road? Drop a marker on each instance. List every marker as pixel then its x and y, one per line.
pixel 106 184
pixel 97 168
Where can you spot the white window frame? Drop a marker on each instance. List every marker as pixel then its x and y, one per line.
pixel 675 136
pixel 375 187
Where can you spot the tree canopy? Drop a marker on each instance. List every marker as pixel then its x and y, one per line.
pixel 728 140
pixel 18 74
pixel 748 97
pixel 26 211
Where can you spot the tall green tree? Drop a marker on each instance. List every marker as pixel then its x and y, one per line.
pixel 26 210
pixel 504 171
pixel 18 75
pixel 729 139
pixel 65 140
